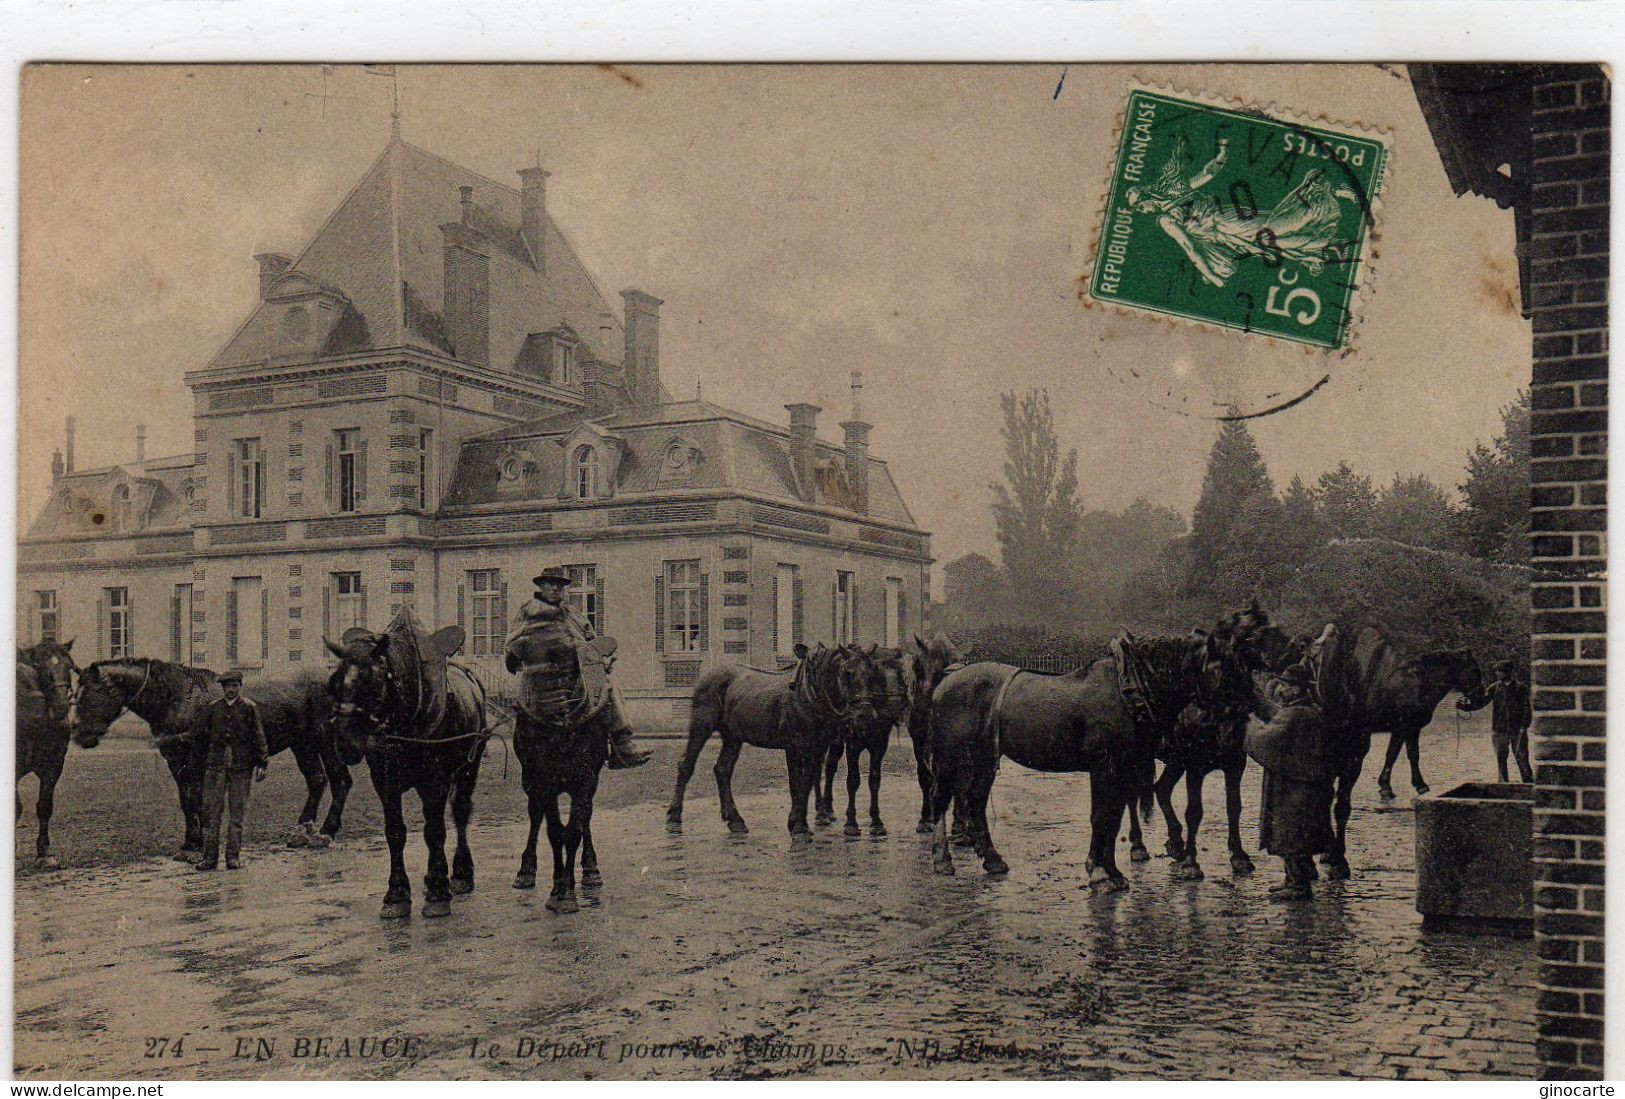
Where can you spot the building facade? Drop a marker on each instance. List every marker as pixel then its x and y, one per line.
pixel 425 407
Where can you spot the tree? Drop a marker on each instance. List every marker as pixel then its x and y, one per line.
pixel 1036 511
pixel 973 593
pixel 1415 511
pixel 1346 502
pixel 1494 524
pixel 1237 519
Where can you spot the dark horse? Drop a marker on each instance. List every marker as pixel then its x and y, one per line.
pixel 871 737
pixel 1196 745
pixel 798 711
pixel 1082 721
pixel 45 674
pixel 924 665
pixel 419 721
pixel 1363 686
pixel 170 698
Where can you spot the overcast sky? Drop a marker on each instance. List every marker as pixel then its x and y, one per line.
pixel 925 225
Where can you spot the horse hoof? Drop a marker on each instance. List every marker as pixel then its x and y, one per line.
pixel 461 887
pixel 945 867
pixel 1175 851
pixel 523 880
pixel 1187 871
pixel 47 862
pixel 1099 880
pixel 298 839
pixel 435 909
pixel 1422 789
pixel 1118 884
pixel 319 840
pixel 995 864
pixel 1241 864
pixel 1386 793
pixel 964 839
pixel 674 826
pixel 801 837
pixel 1337 871
pixel 737 827
pixel 563 905
pixel 1137 853
pixel 876 828
pixel 395 910
pixel 591 879
pixel 852 829
pixel 924 828
pixel 186 855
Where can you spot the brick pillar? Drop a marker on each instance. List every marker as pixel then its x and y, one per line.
pixel 1568 447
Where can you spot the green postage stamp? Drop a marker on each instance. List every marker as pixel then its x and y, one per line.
pixel 1232 217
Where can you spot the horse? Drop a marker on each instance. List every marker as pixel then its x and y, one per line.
pixel 1104 718
pixel 1362 687
pixel 924 665
pixel 419 722
pixel 797 711
pixel 1198 744
pixel 872 738
pixel 45 674
pixel 170 698
pixel 561 736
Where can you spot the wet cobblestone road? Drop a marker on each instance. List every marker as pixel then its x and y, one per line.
pixel 845 959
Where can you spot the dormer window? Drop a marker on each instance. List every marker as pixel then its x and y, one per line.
pixel 564 363
pixel 121 507
pixel 585 469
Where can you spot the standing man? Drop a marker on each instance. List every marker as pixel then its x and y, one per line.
pixel 1509 719
pixel 1295 821
pixel 548 608
pixel 236 750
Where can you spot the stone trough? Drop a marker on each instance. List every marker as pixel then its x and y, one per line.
pixel 1474 859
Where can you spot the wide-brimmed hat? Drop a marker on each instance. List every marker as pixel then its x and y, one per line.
pixel 553 575
pixel 230 677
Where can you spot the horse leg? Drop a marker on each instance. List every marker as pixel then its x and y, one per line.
pixel 1188 868
pixel 1385 790
pixel 43 859
pixel 1337 862
pixel 1240 862
pixel 854 778
pixel 1136 840
pixel 802 764
pixel 724 772
pixel 339 783
pixel 1164 789
pixel 943 794
pixel 398 898
pixel 1106 804
pixel 1413 749
pixel 462 811
pixel 436 887
pixel 591 876
pixel 922 771
pixel 310 766
pixel 572 844
pixel 824 789
pixel 526 878
pixel 877 756
pixel 561 900
pixel 976 798
pixel 699 731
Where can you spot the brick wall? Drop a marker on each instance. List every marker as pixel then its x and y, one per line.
pixel 1568 251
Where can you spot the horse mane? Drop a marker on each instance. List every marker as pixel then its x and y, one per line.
pixel 164 679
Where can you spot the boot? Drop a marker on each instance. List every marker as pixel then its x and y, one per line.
pixel 1296 885
pixel 623 754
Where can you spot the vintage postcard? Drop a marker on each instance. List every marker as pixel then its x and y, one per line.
pixel 653 572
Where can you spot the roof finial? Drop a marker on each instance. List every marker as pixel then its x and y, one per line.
pixel 699 392
pixel 857 396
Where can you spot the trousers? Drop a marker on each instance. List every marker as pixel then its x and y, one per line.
pixel 224 790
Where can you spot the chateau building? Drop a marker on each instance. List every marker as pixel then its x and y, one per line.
pixel 426 406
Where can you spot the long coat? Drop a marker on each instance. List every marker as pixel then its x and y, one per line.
pixel 1295 753
pixel 237 728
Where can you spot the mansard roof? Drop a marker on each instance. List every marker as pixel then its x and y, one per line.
pixel 375 270
pixel 158 499
pixel 737 452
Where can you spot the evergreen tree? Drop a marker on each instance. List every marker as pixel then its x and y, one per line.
pixel 1346 502
pixel 1237 520
pixel 1036 512
pixel 1415 511
pixel 1494 524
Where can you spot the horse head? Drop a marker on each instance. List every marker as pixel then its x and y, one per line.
pixel 54 672
pixel 1259 643
pixel 106 689
pixel 1465 674
pixel 924 665
pixel 395 679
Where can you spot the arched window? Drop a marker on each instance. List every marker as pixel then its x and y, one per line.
pixel 121 507
pixel 586 472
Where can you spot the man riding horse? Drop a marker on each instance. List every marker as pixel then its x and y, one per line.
pixel 548 611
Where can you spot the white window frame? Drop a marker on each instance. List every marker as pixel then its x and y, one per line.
pixel 250 478
pixel 347 468
pixel 122 508
pixel 583 594
pixel 893 613
pixel 185 600
pixel 564 363
pixel 684 614
pixel 348 602
pixel 487 631
pixel 120 644
pixel 584 471
pixel 844 584
pixel 47 608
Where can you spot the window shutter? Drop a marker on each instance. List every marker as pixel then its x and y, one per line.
pixel 777 648
pixel 796 616
pixel 835 611
pixel 462 602
pixel 231 482
pixel 902 614
pixel 660 614
pixel 598 590
pixel 265 622
pixel 705 612
pixel 500 626
pixel 329 475
pixel 101 625
pixel 852 609
pixel 175 627
pixel 363 600
pixel 129 622
pixel 361 470
pixel 231 626
pixel 327 609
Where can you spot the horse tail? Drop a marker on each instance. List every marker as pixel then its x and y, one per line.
pixel 706 703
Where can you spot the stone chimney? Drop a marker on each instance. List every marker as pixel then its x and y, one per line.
pixel 467 281
pixel 56 466
pixel 804 446
pixel 71 426
pixel 642 355
pixel 857 447
pixel 272 267
pixel 140 442
pixel 533 213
